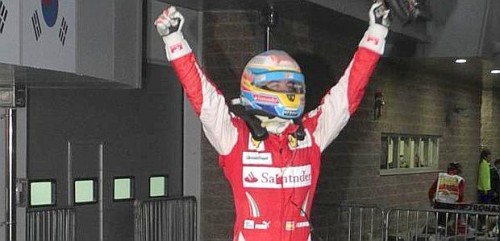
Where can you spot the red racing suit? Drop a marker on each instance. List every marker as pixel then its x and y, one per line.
pixel 274 181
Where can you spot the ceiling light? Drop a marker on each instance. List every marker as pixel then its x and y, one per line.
pixel 495 71
pixel 460 61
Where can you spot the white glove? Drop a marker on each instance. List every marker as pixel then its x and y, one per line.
pixel 374 38
pixel 169 26
pixel 379 14
pixel 169 21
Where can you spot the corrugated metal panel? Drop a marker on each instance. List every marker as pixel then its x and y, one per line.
pixel 166 219
pixel 51 225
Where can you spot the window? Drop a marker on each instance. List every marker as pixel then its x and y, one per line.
pixel 42 193
pixel 158 186
pixel 404 153
pixel 85 191
pixel 123 188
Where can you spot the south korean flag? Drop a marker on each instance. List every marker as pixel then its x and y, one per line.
pixel 49 34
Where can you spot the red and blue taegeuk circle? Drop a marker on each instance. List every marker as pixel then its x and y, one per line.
pixel 50 10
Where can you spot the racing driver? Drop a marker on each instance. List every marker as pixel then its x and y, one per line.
pixel 271 154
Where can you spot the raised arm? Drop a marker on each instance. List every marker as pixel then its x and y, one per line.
pixel 207 101
pixel 342 100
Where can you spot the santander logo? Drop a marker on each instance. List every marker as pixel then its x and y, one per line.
pixel 276 177
pixel 251 178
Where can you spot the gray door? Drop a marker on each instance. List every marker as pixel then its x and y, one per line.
pixel 85 182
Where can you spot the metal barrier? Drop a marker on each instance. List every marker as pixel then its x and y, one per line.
pixel 346 222
pixel 466 222
pixel 340 222
pixel 175 219
pixel 165 219
pixel 51 225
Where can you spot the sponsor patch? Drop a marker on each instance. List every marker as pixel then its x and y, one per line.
pixel 302 224
pixel 254 145
pixel 176 47
pixel 257 158
pixel 263 226
pixel 249 224
pixel 373 39
pixel 276 177
pixel 293 143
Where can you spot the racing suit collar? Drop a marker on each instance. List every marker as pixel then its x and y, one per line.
pixel 274 125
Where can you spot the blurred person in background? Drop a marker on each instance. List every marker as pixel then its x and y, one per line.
pixel 446 192
pixel 484 178
pixel 495 182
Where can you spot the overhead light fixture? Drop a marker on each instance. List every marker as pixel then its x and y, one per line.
pixel 495 71
pixel 460 61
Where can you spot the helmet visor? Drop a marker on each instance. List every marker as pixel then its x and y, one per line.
pixel 284 86
pixel 282 81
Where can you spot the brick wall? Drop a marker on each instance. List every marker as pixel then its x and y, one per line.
pixel 490 133
pixel 230 39
pixel 419 100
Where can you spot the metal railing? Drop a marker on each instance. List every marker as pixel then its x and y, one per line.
pixel 50 225
pixel 466 222
pixel 347 222
pixel 175 219
pixel 170 219
pixel 355 222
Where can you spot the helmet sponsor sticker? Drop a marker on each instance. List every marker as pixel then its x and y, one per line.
pixel 290 75
pixel 266 99
pixel 277 177
pixel 290 113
